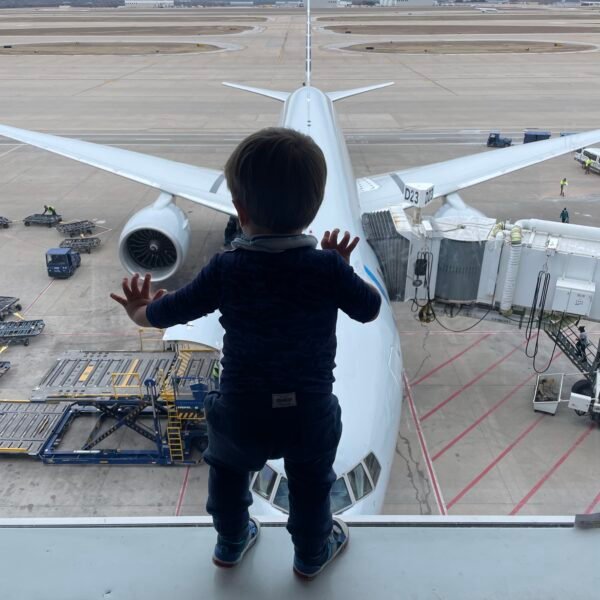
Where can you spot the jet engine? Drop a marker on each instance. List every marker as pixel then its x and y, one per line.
pixel 156 239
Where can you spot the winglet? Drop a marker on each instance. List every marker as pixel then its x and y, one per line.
pixel 334 96
pixel 281 96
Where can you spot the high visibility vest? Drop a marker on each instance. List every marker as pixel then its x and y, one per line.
pixel 215 371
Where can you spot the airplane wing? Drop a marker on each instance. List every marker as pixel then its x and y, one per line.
pixel 204 186
pixel 380 192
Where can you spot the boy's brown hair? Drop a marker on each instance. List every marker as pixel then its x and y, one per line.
pixel 278 175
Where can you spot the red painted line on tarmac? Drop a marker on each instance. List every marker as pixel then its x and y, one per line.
pixel 547 475
pixel 485 471
pixel 40 295
pixel 450 360
pixel 476 332
pixel 428 462
pixel 182 491
pixel 472 382
pixel 591 507
pixel 486 414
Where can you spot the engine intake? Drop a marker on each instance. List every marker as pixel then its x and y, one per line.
pixel 155 240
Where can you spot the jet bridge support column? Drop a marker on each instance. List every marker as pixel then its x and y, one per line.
pixel 514 260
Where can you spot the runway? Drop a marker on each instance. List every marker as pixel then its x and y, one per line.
pixel 217 138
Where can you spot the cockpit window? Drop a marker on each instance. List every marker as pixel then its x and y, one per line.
pixel 340 497
pixel 359 482
pixel 374 467
pixel 263 484
pixel 281 499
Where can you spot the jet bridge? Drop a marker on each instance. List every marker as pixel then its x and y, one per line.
pixel 539 275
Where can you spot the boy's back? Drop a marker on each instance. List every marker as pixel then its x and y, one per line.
pixel 279 312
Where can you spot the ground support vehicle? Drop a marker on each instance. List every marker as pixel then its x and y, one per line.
pixel 62 262
pixel 4 222
pixel 40 219
pixel 592 154
pixel 156 395
pixel 81 244
pixel 20 332
pixel 76 228
pixel 495 140
pixel 8 306
pixel 535 136
pixel 4 367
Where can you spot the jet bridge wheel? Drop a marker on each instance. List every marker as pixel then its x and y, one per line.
pixel 583 387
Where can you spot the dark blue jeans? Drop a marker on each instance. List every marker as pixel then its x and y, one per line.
pixel 244 432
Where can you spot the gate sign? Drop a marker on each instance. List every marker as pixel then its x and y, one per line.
pixel 418 194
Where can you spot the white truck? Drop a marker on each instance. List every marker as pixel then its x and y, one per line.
pixel 593 154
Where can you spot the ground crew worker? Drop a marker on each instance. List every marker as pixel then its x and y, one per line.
pixel 563 184
pixel 588 164
pixel 50 210
pixel 582 342
pixel 564 215
pixel 216 371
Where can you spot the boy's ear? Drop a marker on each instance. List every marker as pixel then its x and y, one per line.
pixel 241 211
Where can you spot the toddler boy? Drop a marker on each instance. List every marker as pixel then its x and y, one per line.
pixel 279 297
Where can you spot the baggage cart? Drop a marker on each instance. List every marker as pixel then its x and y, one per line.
pixel 8 306
pixel 76 228
pixel 81 244
pixel 40 219
pixel 20 332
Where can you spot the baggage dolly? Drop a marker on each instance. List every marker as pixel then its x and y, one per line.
pixel 20 332
pixel 4 222
pixel 76 228
pixel 82 244
pixel 8 306
pixel 40 219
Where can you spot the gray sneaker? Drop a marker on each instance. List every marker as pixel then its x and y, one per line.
pixel 338 540
pixel 229 554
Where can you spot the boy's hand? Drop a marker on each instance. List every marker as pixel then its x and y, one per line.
pixel 136 299
pixel 343 248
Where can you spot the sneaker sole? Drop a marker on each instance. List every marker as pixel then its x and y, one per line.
pixel 228 565
pixel 309 577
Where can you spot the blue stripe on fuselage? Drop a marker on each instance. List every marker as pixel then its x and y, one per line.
pixel 377 283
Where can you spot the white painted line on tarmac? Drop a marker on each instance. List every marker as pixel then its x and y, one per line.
pixel 11 150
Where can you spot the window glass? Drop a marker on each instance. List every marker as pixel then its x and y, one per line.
pixel 263 484
pixel 374 467
pixel 359 482
pixel 281 499
pixel 340 496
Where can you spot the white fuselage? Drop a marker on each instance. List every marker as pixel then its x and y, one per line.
pixel 369 362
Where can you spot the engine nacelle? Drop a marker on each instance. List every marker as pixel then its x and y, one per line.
pixel 156 239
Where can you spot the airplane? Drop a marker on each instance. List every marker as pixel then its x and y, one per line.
pixel 486 10
pixel 369 358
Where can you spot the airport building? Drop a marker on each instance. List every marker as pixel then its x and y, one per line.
pixel 407 3
pixel 150 3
